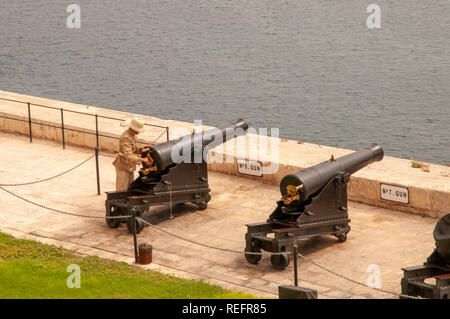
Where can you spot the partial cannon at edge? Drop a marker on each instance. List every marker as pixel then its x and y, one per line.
pixel 432 279
pixel 441 234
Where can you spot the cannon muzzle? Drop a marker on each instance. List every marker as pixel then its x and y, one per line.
pixel 301 185
pixel 183 147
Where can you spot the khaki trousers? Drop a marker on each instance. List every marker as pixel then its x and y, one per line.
pixel 123 180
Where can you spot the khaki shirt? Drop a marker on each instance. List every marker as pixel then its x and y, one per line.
pixel 129 154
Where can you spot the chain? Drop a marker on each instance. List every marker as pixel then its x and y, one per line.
pixel 202 244
pixel 50 178
pixel 57 210
pixel 352 280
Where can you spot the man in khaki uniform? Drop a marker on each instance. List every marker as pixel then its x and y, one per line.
pixel 129 155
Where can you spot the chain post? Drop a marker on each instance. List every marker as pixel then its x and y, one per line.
pixel 136 253
pixel 295 267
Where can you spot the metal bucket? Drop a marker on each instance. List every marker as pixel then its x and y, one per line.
pixel 145 254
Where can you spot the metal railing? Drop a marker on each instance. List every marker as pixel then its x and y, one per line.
pixel 63 128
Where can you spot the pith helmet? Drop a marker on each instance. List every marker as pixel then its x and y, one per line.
pixel 136 124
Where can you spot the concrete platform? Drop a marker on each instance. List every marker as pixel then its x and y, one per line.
pixel 429 191
pixel 387 238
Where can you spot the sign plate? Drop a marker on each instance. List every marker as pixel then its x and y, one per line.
pixel 249 167
pixel 394 193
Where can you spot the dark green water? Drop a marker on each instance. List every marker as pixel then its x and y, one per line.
pixel 311 68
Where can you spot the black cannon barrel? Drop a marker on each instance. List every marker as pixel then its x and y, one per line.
pixel 162 153
pixel 441 235
pixel 315 177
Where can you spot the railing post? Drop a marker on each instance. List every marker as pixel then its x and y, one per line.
pixel 295 267
pixel 167 132
pixel 96 128
pixel 29 122
pixel 62 128
pixel 98 171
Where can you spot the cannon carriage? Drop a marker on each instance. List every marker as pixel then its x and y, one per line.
pixel 179 175
pixel 418 281
pixel 313 203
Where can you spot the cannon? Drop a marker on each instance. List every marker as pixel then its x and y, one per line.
pixel 313 203
pixel 177 174
pixel 437 266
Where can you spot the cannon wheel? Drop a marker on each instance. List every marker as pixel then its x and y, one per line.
pixel 139 225
pixel 112 211
pixel 254 248
pixel 202 205
pixel 341 237
pixel 279 262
